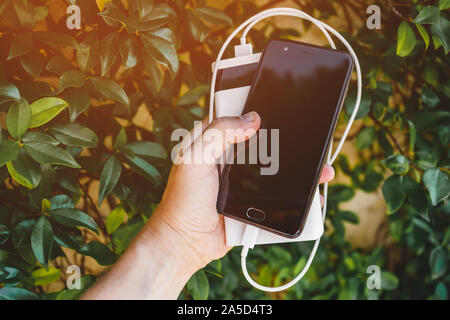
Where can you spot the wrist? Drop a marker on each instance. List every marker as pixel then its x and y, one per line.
pixel 160 239
pixel 155 266
pixel 162 247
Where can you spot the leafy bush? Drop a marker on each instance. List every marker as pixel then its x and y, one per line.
pixel 69 101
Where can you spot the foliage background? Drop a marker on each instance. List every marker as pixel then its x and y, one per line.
pixel 72 137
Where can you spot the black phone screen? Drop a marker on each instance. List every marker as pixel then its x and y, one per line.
pixel 298 91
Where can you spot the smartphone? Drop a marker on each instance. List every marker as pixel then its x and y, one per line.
pixel 298 90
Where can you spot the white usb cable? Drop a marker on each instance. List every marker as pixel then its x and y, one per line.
pixel 251 232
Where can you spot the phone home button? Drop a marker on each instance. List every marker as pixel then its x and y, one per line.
pixel 256 214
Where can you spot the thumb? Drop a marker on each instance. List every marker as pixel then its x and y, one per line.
pixel 221 133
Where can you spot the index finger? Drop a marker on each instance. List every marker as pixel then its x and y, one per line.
pixel 327 174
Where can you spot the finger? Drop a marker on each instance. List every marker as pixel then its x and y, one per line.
pixel 322 200
pixel 221 133
pixel 239 129
pixel 327 174
pixel 191 136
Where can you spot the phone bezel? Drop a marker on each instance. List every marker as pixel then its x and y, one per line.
pixel 324 151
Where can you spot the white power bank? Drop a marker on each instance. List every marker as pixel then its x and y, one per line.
pixel 230 102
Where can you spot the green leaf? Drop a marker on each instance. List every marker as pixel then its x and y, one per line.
pixel 112 15
pixel 156 76
pixel 393 193
pixel 25 171
pixel 74 294
pixel 412 134
pixel 145 149
pixel 9 91
pixel 372 180
pixel 159 17
pixel 59 65
pixel 79 101
pixel 121 139
pixel 365 138
pixel 109 177
pixel 429 97
pixel 127 49
pixel 161 50
pixel 163 118
pixel 9 150
pixel 144 7
pixel 398 163
pixel 423 32
pixel 33 63
pixel 42 240
pixel 437 184
pixel 193 95
pixel 115 219
pixel 45 109
pixel 198 285
pixel 185 117
pixel 17 177
pixel 18 118
pixel 123 236
pixel 213 16
pixel 11 293
pixel 21 237
pixel 111 90
pixel 341 192
pixel 101 253
pixel 33 90
pixel 389 281
pixel 198 29
pixel 440 293
pixel 61 201
pixel 384 143
pixel 57 39
pixel 74 134
pixel 4 234
pixel 71 79
pixel 70 217
pixel 444 134
pixel 87 52
pixel 438 262
pixel 416 195
pixel 444 4
pixel 406 39
pixel 108 52
pixel 428 15
pixel 348 216
pixel 364 107
pixel 69 182
pixel 441 31
pixel 73 240
pixel 21 44
pixel 42 276
pixel 49 154
pixel 36 136
pixel 145 169
pixel 22 232
pixel 424 120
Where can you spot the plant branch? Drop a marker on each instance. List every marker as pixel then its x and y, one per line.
pixel 394 141
pixel 347 17
pixel 98 217
pixel 396 12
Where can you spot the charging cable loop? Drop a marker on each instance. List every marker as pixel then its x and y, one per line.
pixel 250 235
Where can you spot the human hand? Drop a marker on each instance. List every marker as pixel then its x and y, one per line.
pixel 184 233
pixel 188 207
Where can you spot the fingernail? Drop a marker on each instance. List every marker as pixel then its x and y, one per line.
pixel 330 171
pixel 248 117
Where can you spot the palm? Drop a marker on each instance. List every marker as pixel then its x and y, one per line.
pixel 193 213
